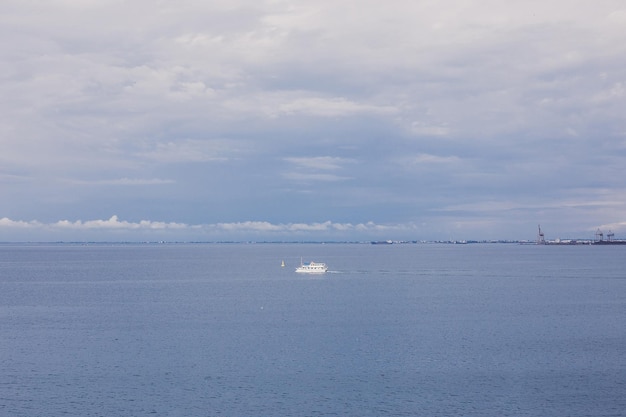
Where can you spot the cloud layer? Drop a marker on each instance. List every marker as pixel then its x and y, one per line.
pixel 116 229
pixel 472 120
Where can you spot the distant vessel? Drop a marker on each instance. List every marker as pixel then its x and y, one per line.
pixel 312 268
pixel 609 242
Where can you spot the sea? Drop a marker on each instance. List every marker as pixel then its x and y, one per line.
pixel 391 330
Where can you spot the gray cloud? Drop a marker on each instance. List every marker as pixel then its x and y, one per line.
pixel 448 116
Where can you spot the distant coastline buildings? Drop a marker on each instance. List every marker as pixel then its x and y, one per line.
pixel 598 239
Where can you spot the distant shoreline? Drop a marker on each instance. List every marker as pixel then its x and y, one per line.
pixel 564 242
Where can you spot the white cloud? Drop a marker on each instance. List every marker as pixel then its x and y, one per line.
pixel 114 223
pixel 5 222
pixel 247 226
pixel 280 104
pixel 308 168
pixel 422 129
pixel 617 91
pixel 611 227
pixel 329 107
pixel 308 177
pixel 234 229
pixel 188 150
pixel 125 181
pixel 425 158
pixel 320 162
pixel 297 228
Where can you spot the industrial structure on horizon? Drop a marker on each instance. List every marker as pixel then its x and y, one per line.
pixel 598 240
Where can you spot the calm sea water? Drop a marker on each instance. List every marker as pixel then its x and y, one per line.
pixel 391 330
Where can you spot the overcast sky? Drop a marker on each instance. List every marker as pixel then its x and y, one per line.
pixel 321 120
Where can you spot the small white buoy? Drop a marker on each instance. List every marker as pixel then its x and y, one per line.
pixel 282 264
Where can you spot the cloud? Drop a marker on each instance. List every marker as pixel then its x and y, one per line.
pixel 19 224
pixel 308 168
pixel 278 104
pixel 188 150
pixel 618 17
pixel 435 159
pixel 422 129
pixel 247 226
pixel 320 162
pixel 329 107
pixel 304 177
pixel 125 181
pixel 113 223
pixel 400 113
pixel 243 230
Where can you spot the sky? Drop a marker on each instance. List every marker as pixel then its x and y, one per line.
pixel 297 120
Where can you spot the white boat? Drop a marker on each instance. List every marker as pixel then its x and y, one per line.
pixel 312 268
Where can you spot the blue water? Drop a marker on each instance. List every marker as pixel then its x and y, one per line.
pixel 391 330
